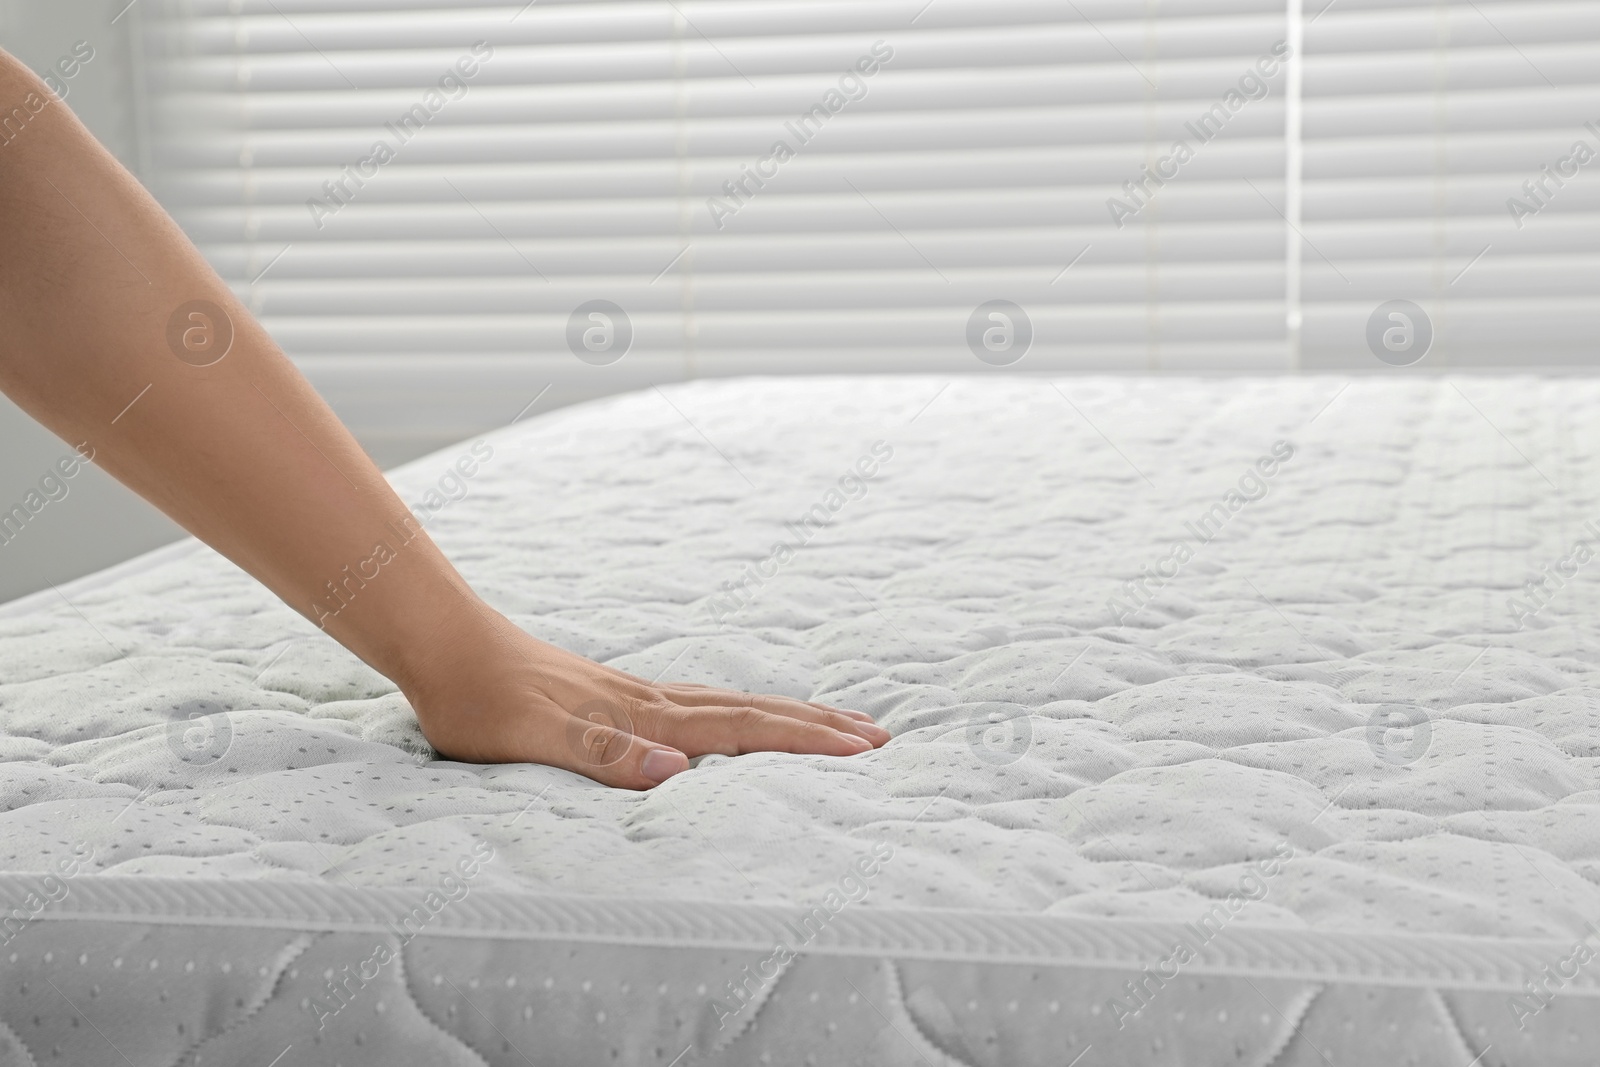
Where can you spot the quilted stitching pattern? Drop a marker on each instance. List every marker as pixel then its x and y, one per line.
pixel 1065 742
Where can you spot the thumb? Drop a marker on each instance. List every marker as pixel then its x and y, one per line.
pixel 601 745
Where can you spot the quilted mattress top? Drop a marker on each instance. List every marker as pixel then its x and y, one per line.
pixel 1135 640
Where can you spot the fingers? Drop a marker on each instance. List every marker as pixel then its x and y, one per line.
pixel 691 695
pixel 826 716
pixel 601 740
pixel 638 743
pixel 644 749
pixel 620 758
pixel 734 731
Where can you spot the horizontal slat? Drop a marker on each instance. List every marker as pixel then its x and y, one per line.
pixel 1078 99
pixel 844 289
pixel 1505 277
pixel 466 146
pixel 1379 26
pixel 978 165
pixel 843 210
pixel 784 12
pixel 1083 93
pixel 252 197
pixel 697 58
pixel 1421 239
pixel 557 188
pixel 1349 247
pixel 933 251
pixel 1501 275
pixel 265 28
pixel 1073 211
pixel 888 327
pixel 541 182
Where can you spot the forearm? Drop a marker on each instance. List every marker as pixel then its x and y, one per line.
pixel 242 452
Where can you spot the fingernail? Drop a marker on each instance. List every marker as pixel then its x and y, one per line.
pixel 857 740
pixel 661 763
pixel 874 731
pixel 859 716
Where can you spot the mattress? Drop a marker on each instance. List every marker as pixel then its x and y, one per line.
pixel 1235 722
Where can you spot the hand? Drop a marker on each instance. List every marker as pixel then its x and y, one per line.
pixel 490 693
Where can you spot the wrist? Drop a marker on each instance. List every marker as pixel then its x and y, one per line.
pixel 412 622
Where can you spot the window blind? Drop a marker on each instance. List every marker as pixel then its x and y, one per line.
pixel 603 200
pixel 1442 167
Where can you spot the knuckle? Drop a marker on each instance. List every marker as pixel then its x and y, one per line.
pixel 647 714
pixel 598 732
pixel 811 733
pixel 744 718
pixel 821 732
pixel 600 746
